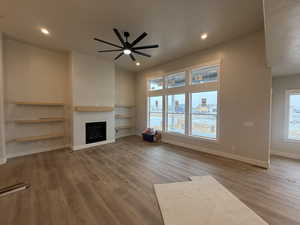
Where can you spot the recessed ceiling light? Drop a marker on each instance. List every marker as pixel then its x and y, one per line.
pixel 137 63
pixel 204 36
pixel 127 51
pixel 45 31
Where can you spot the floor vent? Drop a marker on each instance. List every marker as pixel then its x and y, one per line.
pixel 12 189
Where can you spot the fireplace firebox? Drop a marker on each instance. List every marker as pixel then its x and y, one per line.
pixel 95 132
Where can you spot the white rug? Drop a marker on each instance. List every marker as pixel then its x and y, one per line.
pixel 203 201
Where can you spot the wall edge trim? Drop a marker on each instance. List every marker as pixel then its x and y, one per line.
pixel 81 147
pixel 259 163
pixel 285 154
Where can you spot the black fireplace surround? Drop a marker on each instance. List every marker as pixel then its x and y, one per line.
pixel 95 132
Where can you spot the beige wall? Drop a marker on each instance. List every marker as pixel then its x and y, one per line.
pixel 279 145
pixel 93 84
pixel 2 122
pixel 125 95
pixel 125 87
pixel 33 74
pixel 245 90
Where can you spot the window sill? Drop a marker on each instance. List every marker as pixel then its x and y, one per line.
pixel 292 141
pixel 192 137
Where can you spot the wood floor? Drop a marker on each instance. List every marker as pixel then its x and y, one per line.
pixel 113 184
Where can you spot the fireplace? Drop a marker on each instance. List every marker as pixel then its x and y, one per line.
pixel 95 132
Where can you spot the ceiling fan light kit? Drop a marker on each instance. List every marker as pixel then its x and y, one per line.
pixel 127 48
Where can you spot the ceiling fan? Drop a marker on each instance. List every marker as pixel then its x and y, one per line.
pixel 126 47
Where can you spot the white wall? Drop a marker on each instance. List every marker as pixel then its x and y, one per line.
pixel 2 122
pixel 279 145
pixel 245 89
pixel 93 84
pixel 38 75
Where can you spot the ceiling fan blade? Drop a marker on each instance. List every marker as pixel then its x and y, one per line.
pixel 132 57
pixel 141 53
pixel 108 43
pixel 143 35
pixel 119 36
pixel 118 56
pixel 113 50
pixel 145 47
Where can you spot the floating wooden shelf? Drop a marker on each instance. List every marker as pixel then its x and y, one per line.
pixel 39 103
pixel 39 138
pixel 123 116
pixel 124 127
pixel 41 120
pixel 94 108
pixel 124 106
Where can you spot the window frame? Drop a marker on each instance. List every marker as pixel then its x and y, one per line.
pixel 288 93
pixel 163 110
pixel 156 78
pixel 167 114
pixel 172 74
pixel 217 117
pixel 188 89
pixel 204 67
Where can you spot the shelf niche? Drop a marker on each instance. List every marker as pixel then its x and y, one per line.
pixel 41 120
pixel 39 138
pixel 123 116
pixel 39 103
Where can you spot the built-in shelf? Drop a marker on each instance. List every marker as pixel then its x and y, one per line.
pixel 41 120
pixel 39 103
pixel 94 108
pixel 124 106
pixel 124 127
pixel 39 138
pixel 123 116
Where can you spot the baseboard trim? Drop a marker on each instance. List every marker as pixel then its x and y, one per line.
pixel 19 154
pixel 3 161
pixel 81 147
pixel 255 162
pixel 286 154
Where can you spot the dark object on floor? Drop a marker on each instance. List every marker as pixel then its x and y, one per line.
pixel 148 137
pixel 13 188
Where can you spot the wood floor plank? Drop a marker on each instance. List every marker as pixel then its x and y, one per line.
pixel 113 184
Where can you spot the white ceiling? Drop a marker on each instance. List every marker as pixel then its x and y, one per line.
pixel 282 19
pixel 176 25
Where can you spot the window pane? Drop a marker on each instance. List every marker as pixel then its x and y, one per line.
pixel 155 104
pixel 204 114
pixel 176 80
pixel 155 112
pixel 176 113
pixel 294 117
pixel 155 121
pixel 205 75
pixel 156 84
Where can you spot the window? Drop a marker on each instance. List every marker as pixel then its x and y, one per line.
pixel 293 115
pixel 176 112
pixel 204 114
pixel 204 75
pixel 156 84
pixel 176 80
pixel 155 108
pixel 187 103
